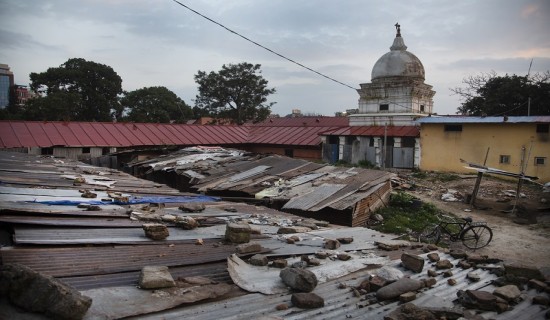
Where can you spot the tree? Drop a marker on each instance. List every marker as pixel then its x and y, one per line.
pixel 236 92
pixel 492 95
pixel 78 90
pixel 155 104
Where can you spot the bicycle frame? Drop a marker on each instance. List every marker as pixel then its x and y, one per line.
pixel 443 226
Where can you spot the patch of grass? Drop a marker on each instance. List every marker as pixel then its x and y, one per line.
pixel 446 177
pixel 435 176
pixel 405 214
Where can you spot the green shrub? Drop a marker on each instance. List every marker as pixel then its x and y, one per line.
pixel 405 214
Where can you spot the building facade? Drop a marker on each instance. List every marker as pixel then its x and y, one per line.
pixel 506 142
pixel 384 132
pixel 6 84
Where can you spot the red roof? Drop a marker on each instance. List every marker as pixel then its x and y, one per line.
pixel 290 135
pixel 305 122
pixel 375 131
pixel 14 134
pixel 17 134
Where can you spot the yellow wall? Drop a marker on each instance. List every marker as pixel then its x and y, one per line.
pixel 442 151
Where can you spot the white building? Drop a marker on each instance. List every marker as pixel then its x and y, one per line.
pixel 384 131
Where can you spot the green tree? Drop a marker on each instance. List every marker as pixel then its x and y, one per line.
pixel 154 104
pixel 238 92
pixel 492 95
pixel 78 90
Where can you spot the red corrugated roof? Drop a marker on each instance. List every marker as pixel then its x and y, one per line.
pixel 304 121
pixel 377 131
pixel 15 134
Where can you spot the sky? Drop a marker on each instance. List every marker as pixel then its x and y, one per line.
pixel 160 43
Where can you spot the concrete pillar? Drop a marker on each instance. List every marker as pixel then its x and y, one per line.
pixel 378 151
pixel 341 143
pixel 417 153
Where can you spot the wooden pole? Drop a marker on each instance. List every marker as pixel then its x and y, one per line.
pixel 478 181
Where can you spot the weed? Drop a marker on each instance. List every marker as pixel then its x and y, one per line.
pixel 406 214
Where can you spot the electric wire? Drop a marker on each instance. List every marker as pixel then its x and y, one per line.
pixel 263 47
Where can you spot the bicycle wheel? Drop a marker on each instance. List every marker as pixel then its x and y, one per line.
pixel 430 235
pixel 476 237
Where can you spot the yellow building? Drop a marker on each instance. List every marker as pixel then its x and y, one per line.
pixel 446 140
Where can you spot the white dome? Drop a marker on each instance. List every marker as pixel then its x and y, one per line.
pixel 398 63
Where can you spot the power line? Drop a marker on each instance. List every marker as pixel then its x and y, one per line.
pixel 261 46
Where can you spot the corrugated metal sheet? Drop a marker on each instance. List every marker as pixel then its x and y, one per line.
pixel 318 194
pixel 375 131
pixel 342 304
pixel 80 261
pixel 216 271
pixel 466 119
pixel 15 134
pixel 304 121
pixel 304 136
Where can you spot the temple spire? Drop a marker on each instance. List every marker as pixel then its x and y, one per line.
pixel 398 28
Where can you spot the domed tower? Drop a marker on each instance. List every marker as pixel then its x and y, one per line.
pixel 397 93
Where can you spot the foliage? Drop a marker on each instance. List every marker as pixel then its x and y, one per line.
pixel 236 92
pixel 154 104
pixel 435 176
pixel 492 95
pixel 78 90
pixel 405 214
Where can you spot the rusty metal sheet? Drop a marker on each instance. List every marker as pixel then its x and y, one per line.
pixel 65 236
pixel 216 271
pixel 81 261
pixel 73 221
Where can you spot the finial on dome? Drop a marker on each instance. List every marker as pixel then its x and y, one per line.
pixel 398 28
pixel 398 42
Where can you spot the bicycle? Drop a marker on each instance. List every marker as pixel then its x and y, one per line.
pixel 474 235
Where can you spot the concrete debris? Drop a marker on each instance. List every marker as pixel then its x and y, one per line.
pixel 155 277
pixel 482 300
pixel 258 260
pixel 473 276
pixel 410 311
pixel 187 223
pixel 88 194
pixel 541 300
pixel 397 288
pixel 307 300
pixel 299 279
pixel 35 292
pixel 331 244
pixel 168 218
pixel 510 293
pixel 237 232
pixel 444 264
pixel 192 207
pixel 156 231
pixel 521 270
pixel 249 247
pixel 433 257
pixel 279 263
pixel 290 230
pixel 346 240
pixel 343 256
pixel 377 282
pixel 407 297
pixel 389 273
pixel 412 262
pixel 452 282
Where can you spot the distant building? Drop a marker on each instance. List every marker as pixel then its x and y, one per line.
pixel 21 94
pixel 383 132
pixel 6 84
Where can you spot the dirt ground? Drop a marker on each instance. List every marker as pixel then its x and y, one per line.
pixel 527 242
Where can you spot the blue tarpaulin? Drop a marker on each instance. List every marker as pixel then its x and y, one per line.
pixel 133 200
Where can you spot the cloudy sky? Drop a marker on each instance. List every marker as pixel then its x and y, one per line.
pixel 160 43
